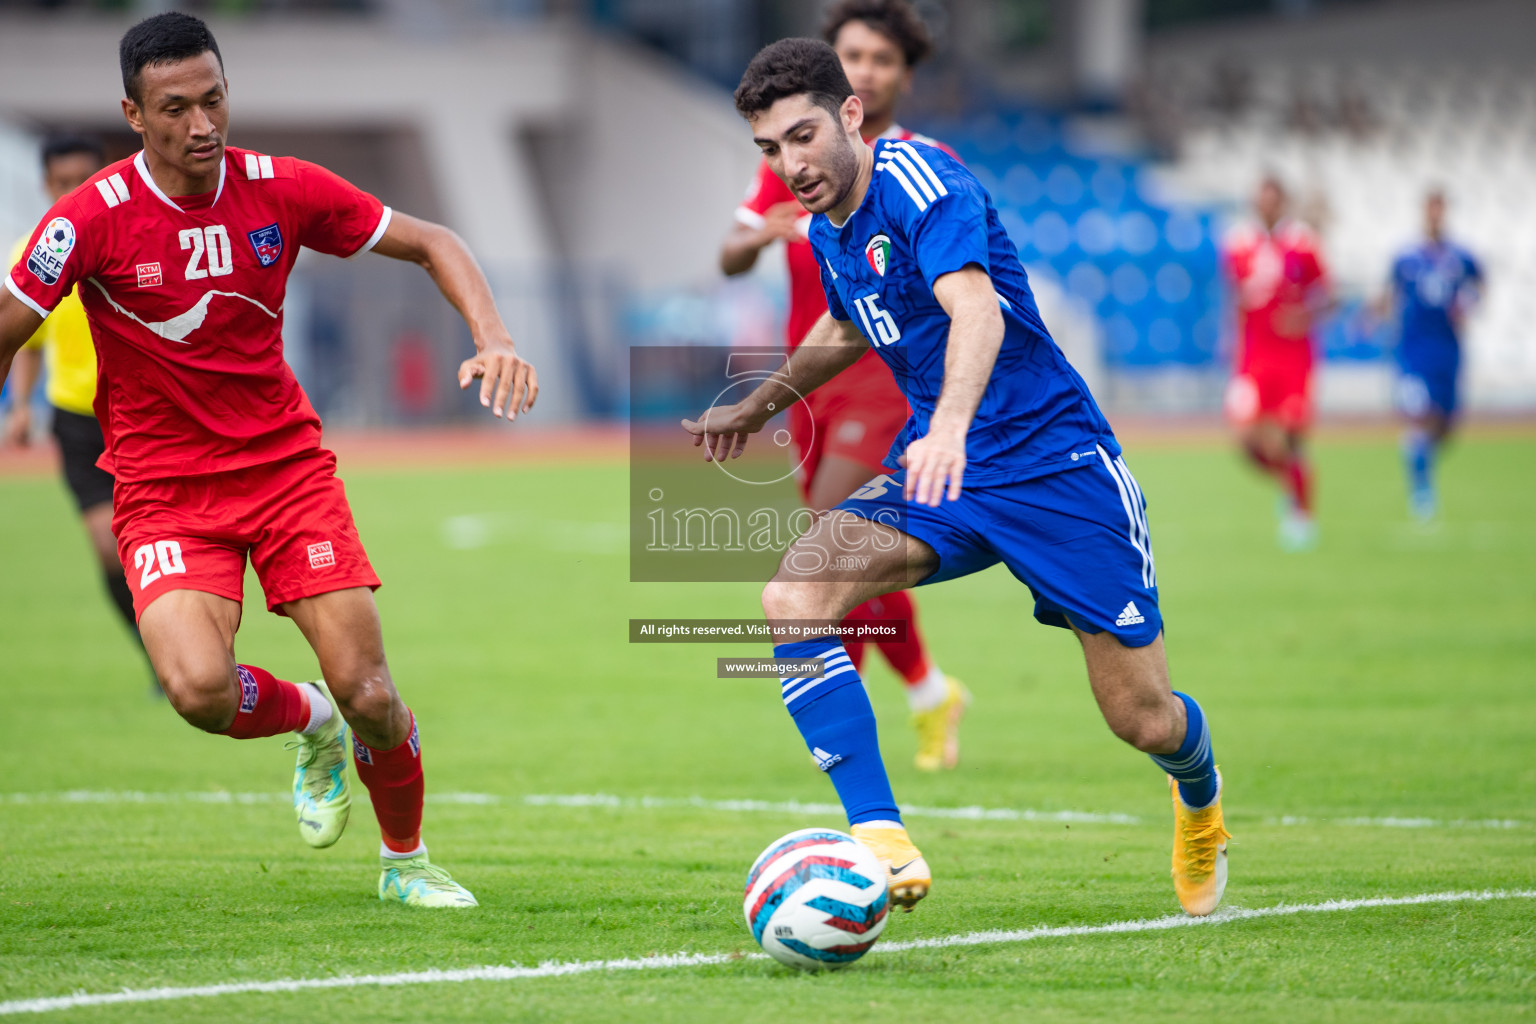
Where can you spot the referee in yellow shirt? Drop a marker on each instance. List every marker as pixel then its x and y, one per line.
pixel 64 341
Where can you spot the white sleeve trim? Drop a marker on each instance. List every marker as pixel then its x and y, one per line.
pixel 751 218
pixel 378 233
pixel 24 297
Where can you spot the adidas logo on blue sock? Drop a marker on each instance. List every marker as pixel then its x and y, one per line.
pixel 824 760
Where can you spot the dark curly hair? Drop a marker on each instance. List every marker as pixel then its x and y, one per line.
pixel 792 67
pixel 897 20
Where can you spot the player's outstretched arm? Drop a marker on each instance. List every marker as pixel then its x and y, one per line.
pixel 935 463
pixel 18 322
pixel 738 253
pixel 830 347
pixel 507 381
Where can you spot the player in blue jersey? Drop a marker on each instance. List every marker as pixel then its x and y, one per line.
pixel 1006 459
pixel 1433 287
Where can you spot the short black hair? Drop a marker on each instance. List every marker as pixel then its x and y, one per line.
pixel 791 67
pixel 56 146
pixel 162 39
pixel 897 20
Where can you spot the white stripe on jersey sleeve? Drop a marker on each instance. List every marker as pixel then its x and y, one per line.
pixel 119 186
pixel 24 297
pixel 917 176
pixel 378 233
pixel 751 218
pixel 906 148
pixel 252 169
pixel 265 163
pixel 895 171
pixel 107 193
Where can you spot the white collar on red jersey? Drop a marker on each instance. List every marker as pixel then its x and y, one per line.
pixel 143 169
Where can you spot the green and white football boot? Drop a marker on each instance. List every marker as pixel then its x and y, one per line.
pixel 321 798
pixel 417 882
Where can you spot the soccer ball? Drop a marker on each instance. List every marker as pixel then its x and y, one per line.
pixel 816 899
pixel 58 237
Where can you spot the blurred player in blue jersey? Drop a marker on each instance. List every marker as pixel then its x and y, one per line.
pixel 1006 459
pixel 1433 287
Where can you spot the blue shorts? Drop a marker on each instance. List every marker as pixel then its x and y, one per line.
pixel 1422 391
pixel 1077 538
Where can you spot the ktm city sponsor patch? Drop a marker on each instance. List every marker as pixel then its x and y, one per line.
pixel 149 275
pixel 878 252
pixel 321 555
pixel 247 689
pixel 52 251
pixel 361 752
pixel 268 243
pixel 415 741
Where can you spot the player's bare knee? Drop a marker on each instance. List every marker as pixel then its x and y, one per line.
pixel 1150 729
pixel 780 599
pixel 205 697
pixel 367 702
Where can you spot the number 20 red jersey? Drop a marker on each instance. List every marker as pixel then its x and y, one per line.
pixel 185 300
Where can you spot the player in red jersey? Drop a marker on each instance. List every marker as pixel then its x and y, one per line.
pixel 1281 286
pixel 182 255
pixel 842 433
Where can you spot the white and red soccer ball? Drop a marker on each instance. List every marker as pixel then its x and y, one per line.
pixel 816 899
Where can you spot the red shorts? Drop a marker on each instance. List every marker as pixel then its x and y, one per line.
pixel 856 415
pixel 194 532
pixel 1279 389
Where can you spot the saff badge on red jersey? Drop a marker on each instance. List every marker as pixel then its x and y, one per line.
pixel 53 247
pixel 268 243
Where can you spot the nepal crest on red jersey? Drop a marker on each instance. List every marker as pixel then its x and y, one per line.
pixel 268 243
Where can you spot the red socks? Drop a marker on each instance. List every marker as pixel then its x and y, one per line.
pixel 1258 458
pixel 1294 474
pixel 268 705
pixel 1298 481
pixel 908 657
pixel 395 786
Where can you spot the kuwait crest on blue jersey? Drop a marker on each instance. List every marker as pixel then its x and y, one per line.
pixel 268 243
pixel 878 252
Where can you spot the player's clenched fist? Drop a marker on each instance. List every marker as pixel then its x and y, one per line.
pixel 935 465
pixel 723 431
pixel 507 381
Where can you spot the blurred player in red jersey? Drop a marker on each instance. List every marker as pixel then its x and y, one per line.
pixel 842 433
pixel 1281 286
pixel 182 256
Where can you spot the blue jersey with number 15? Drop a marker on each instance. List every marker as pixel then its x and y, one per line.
pixel 925 216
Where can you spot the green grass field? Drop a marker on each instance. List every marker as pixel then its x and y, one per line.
pixel 1389 674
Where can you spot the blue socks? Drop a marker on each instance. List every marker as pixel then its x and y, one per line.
pixel 834 716
pixel 1419 453
pixel 1192 765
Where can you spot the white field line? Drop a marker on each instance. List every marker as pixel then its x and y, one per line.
pixel 973 813
pixel 796 807
pixel 556 969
